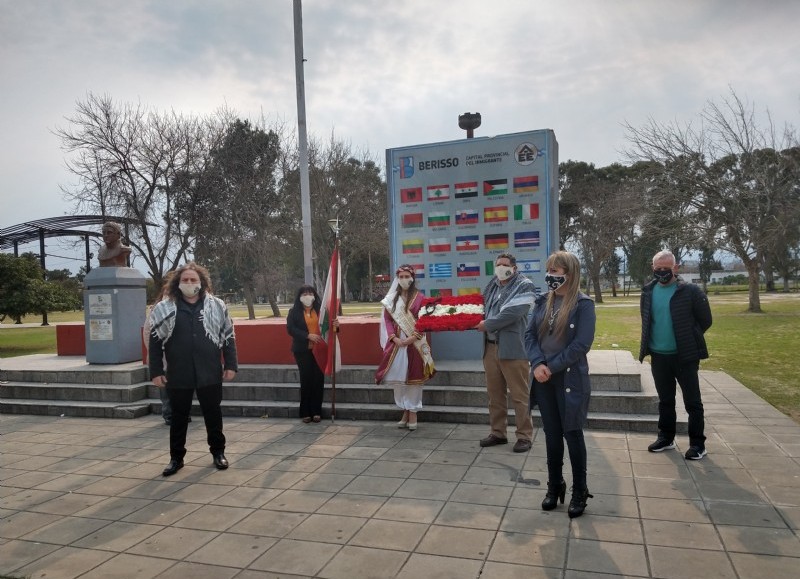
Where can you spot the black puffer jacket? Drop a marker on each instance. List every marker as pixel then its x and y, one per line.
pixel 691 317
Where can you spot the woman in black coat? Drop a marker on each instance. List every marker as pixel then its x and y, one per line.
pixel 302 323
pixel 559 336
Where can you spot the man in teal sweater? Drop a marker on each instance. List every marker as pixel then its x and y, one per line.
pixel 675 315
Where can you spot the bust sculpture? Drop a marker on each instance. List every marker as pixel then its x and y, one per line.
pixel 113 253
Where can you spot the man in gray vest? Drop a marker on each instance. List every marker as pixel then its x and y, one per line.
pixel 508 297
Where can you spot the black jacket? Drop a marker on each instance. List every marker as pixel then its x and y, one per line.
pixel 297 329
pixel 691 317
pixel 193 361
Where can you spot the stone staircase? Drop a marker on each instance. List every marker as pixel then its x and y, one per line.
pixel 623 394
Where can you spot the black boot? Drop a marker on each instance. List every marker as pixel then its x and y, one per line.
pixel 554 493
pixel 577 503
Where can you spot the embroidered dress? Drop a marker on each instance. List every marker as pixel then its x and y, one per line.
pixel 405 367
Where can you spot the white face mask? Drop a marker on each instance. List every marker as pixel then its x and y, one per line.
pixel 189 289
pixel 404 282
pixel 503 272
pixel 307 301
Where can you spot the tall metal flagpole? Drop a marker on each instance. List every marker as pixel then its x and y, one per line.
pixel 305 187
pixel 334 225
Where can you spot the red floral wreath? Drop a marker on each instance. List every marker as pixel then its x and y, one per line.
pixel 452 319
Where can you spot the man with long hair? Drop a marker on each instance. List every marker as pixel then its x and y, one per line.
pixel 191 328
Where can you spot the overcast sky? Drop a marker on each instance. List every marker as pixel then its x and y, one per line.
pixel 385 74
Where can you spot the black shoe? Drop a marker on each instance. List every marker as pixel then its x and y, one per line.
pixel 695 453
pixel 577 503
pixel 173 467
pixel 493 440
pixel 554 493
pixel 661 444
pixel 522 445
pixel 220 461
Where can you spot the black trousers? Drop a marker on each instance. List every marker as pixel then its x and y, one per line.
pixel 210 398
pixel 312 384
pixel 550 399
pixel 667 370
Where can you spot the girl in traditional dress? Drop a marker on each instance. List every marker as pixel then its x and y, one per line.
pixel 407 363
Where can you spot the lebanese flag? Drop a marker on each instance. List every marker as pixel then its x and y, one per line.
pixel 323 351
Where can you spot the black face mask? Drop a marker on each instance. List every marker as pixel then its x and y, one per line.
pixel 555 281
pixel 663 275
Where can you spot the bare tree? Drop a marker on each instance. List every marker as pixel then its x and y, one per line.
pixel 734 173
pixel 128 159
pixel 601 207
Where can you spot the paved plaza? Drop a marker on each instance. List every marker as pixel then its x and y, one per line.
pixel 85 498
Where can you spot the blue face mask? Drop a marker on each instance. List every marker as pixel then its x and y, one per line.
pixel 663 276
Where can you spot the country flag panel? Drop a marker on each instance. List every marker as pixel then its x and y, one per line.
pixel 529 266
pixel 419 270
pixel 495 214
pixel 467 243
pixel 468 291
pixel 528 184
pixel 527 211
pixel 439 270
pixel 413 246
pixel 495 240
pixel 411 195
pixel 489 267
pixel 438 219
pixel 441 292
pixel 439 244
pixel 468 270
pixel 466 217
pixel 406 167
pixel 438 192
pixel 411 220
pixel 526 239
pixel 495 187
pixel 465 190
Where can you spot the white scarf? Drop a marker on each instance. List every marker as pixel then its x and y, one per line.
pixel 216 321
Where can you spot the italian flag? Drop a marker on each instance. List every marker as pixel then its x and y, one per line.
pixel 528 211
pixel 324 351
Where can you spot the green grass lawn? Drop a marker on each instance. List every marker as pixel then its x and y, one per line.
pixel 757 349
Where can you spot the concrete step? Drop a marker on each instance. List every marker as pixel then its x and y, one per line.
pixel 623 378
pixel 117 393
pixel 432 414
pixel 446 396
pixel 81 408
pixel 118 374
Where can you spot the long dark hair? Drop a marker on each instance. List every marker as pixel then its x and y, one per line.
pixel 303 289
pixel 202 273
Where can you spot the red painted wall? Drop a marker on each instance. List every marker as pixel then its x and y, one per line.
pixel 263 341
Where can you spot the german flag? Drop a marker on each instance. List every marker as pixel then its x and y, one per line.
pixel 495 240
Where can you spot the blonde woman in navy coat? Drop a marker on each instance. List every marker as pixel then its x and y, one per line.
pixel 559 336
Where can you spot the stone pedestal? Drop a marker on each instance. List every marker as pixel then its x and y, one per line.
pixel 114 303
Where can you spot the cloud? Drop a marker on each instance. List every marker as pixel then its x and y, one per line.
pixel 387 74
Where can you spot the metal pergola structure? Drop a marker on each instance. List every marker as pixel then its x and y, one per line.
pixel 41 229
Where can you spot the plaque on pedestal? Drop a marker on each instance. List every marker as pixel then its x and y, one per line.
pixel 115 301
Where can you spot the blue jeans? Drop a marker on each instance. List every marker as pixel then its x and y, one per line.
pixel 550 399
pixel 667 370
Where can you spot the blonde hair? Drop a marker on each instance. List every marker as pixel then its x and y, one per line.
pixel 572 269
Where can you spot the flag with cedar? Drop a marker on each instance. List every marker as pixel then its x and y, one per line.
pixel 327 352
